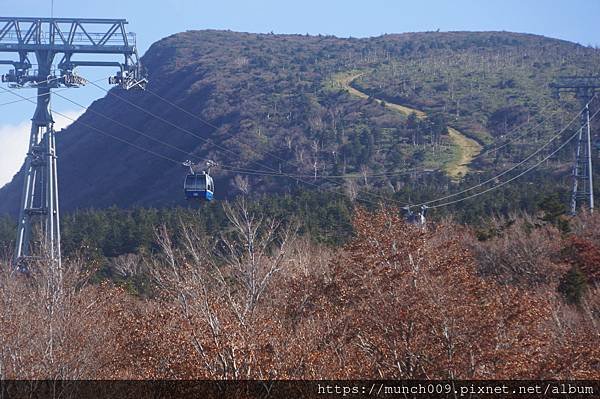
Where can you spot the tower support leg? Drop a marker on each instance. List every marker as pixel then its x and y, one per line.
pixel 576 173
pixel 38 234
pixel 590 171
pixel 583 176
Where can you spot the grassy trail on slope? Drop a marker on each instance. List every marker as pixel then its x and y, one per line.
pixel 467 147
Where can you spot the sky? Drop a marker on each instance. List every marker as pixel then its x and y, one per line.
pixel 573 20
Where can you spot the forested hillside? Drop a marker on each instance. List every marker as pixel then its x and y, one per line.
pixel 267 109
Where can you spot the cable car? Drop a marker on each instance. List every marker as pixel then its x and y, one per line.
pixel 417 218
pixel 199 185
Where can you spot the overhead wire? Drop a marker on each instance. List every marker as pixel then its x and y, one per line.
pixel 137 131
pixel 511 179
pixel 174 125
pixel 404 172
pixel 94 82
pixel 229 168
pixel 225 149
pixel 357 176
pixel 22 98
pixel 156 153
pixel 426 203
pixel 30 99
pixel 96 129
pixel 529 157
pixel 495 187
pixel 547 106
pixel 369 193
pixel 512 139
pixel 207 123
pixel 226 167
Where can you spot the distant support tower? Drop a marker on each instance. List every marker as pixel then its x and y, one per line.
pixel 584 88
pixel 38 234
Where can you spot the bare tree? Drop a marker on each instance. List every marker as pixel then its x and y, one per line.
pixel 518 253
pixel 254 252
pixel 364 171
pixel 351 189
pixel 242 184
pixel 128 265
pixel 55 326
pixel 220 284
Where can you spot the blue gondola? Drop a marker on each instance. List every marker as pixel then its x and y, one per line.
pixel 417 218
pixel 199 186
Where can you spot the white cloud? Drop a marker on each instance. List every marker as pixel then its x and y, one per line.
pixel 14 140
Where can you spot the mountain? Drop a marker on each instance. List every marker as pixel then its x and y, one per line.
pixel 315 105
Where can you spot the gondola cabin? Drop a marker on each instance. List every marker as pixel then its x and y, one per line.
pixel 417 218
pixel 199 186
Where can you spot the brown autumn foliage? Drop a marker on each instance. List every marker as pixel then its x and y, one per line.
pixel 56 325
pixel 585 255
pixel 518 250
pixel 414 306
pixel 261 302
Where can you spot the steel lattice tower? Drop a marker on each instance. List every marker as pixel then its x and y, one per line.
pixel 38 234
pixel 584 89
